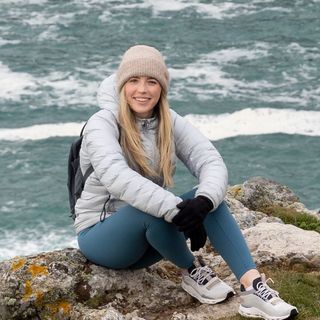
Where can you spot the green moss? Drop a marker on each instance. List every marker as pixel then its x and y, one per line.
pixel 96 301
pixel 297 288
pixel 302 220
pixel 301 290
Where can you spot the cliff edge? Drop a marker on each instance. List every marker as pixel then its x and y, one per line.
pixel 64 285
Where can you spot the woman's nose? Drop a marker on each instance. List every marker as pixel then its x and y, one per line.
pixel 142 86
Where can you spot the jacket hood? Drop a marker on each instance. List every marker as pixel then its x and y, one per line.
pixel 108 97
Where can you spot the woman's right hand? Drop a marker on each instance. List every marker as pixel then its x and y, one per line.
pixel 198 237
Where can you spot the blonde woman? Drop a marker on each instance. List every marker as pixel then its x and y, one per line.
pixel 127 219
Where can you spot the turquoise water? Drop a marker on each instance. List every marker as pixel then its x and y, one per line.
pixel 246 73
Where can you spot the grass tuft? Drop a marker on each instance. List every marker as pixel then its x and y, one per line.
pixel 290 216
pixel 297 288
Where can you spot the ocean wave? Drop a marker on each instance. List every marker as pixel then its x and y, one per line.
pixel 211 75
pixel 14 84
pixel 211 63
pixel 215 127
pixel 42 131
pixel 25 2
pixel 4 42
pixel 257 122
pixel 206 77
pixel 60 88
pixel 219 11
pixel 31 241
pixel 43 18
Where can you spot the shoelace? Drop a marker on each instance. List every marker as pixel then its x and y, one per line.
pixel 264 291
pixel 202 275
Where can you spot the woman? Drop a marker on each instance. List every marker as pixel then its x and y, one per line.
pixel 126 218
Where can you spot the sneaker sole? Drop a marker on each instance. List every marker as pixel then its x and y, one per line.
pixel 256 313
pixel 195 294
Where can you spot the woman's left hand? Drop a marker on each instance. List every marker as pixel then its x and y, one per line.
pixel 192 213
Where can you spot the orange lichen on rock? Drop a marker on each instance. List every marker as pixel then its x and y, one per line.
pixel 63 307
pixel 31 294
pixel 37 270
pixel 16 265
pixel 27 290
pixel 39 298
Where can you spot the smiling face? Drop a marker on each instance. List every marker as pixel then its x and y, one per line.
pixel 142 95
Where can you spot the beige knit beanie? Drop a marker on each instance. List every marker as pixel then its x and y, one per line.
pixel 143 60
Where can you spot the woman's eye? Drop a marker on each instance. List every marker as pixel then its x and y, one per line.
pixel 133 80
pixel 153 82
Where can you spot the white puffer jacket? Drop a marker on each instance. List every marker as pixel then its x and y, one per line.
pixel 114 180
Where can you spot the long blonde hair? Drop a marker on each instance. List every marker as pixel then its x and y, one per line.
pixel 130 140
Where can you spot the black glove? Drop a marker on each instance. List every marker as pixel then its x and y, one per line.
pixel 198 237
pixel 192 213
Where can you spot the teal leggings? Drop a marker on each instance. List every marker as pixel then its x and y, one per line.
pixel 132 239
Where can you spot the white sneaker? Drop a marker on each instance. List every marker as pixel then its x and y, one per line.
pixel 264 302
pixel 204 285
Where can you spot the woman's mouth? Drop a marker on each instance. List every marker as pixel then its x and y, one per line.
pixel 141 99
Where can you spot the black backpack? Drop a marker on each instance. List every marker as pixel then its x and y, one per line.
pixel 76 179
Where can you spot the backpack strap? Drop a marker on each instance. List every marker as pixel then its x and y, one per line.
pixel 90 169
pixel 81 133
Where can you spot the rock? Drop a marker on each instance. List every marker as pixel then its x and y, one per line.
pixel 283 245
pixel 245 217
pixel 259 192
pixel 64 285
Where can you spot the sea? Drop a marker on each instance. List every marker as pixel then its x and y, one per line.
pixel 245 72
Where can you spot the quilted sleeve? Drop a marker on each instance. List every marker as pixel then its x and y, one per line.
pixel 202 159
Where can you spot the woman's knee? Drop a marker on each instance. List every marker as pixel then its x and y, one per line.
pixel 221 209
pixel 220 214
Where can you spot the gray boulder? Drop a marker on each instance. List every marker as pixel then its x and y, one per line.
pixel 64 285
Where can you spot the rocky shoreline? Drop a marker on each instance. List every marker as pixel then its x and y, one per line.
pixel 64 285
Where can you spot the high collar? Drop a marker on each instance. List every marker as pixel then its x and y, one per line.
pixel 147 124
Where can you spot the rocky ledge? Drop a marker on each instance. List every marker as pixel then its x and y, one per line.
pixel 64 285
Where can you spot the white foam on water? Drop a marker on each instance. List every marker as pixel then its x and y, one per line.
pixel 223 10
pixel 58 88
pixel 4 42
pixel 199 79
pixel 256 122
pixel 215 127
pixel 25 2
pixel 167 5
pixel 205 76
pixel 51 33
pixel 263 1
pixel 207 70
pixel 41 18
pixel 219 11
pixel 68 89
pixel 304 98
pixel 42 131
pixel 106 16
pixel 7 151
pixel 31 241
pixel 225 56
pixel 13 84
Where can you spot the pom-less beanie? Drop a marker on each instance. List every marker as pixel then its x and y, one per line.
pixel 141 61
